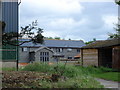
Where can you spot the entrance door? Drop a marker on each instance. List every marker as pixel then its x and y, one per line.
pixel 105 57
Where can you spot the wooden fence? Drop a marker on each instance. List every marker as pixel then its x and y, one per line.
pixel 71 61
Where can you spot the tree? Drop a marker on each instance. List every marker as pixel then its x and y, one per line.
pixel 94 39
pixel 117 28
pixel 2 24
pixel 31 31
pixel 57 38
pixel 48 37
pixel 117 2
pixel 117 34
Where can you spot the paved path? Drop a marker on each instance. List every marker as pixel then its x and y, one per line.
pixel 109 84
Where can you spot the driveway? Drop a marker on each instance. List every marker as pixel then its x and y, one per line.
pixel 109 84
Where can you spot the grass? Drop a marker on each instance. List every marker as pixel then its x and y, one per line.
pixel 75 82
pixel 8 69
pixel 72 76
pixel 102 72
pixel 114 76
pixel 69 70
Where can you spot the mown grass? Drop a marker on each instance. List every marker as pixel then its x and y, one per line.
pixel 102 72
pixel 114 76
pixel 8 69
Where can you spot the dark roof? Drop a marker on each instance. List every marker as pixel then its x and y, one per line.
pixel 56 43
pixel 103 43
pixel 43 48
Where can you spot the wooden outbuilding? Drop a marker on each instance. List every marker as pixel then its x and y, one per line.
pixel 102 53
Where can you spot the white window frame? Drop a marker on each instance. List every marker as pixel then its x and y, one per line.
pixel 44 56
pixel 24 49
pixel 69 49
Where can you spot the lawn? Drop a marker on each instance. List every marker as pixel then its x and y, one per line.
pixel 114 76
pixel 103 73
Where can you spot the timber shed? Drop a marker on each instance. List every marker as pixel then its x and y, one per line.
pixel 102 53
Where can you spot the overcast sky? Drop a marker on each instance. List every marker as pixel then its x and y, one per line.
pixel 73 19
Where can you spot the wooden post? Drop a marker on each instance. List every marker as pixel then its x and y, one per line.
pixel 82 56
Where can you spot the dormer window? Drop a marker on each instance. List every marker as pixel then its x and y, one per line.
pixel 59 49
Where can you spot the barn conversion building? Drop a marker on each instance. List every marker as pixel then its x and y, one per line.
pixel 102 53
pixel 49 50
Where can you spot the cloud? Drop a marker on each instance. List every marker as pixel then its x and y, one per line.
pixel 66 23
pixel 110 20
pixel 70 18
pixel 52 6
pixel 51 33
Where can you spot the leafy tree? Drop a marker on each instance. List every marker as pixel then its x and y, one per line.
pixel 2 24
pixel 117 34
pixel 48 37
pixel 94 39
pixel 117 2
pixel 58 38
pixel 31 31
pixel 117 28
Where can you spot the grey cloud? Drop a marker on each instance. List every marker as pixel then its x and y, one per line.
pixel 92 28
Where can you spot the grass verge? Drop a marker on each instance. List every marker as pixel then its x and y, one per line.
pixel 114 76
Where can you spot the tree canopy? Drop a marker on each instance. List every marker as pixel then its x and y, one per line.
pixel 117 2
pixel 31 31
pixel 117 28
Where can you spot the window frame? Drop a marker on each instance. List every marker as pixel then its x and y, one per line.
pixel 24 49
pixel 44 56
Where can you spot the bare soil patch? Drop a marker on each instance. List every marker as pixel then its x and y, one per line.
pixel 21 79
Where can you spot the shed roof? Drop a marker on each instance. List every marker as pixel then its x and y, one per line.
pixel 103 43
pixel 55 43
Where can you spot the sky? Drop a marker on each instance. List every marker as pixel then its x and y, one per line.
pixel 74 19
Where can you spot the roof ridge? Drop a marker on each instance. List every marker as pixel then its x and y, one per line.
pixel 54 39
pixel 63 40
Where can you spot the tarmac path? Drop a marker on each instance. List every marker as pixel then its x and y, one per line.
pixel 109 84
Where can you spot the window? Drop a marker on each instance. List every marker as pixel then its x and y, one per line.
pixel 44 56
pixel 24 49
pixel 69 49
pixel 78 50
pixel 69 57
pixel 59 49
